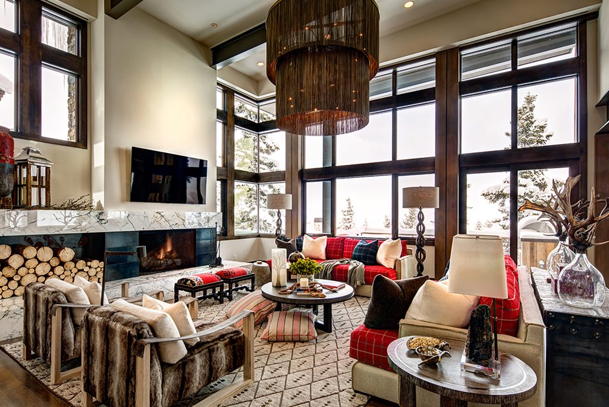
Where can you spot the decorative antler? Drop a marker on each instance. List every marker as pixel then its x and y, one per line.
pixel 579 221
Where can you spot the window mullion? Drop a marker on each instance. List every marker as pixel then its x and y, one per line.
pixel 30 70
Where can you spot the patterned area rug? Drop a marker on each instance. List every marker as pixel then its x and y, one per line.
pixel 315 374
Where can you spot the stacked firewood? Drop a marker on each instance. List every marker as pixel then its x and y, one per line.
pixel 21 265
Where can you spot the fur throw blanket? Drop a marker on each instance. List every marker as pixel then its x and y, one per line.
pixel 355 275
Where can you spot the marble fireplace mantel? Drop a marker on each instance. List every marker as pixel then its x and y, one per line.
pixel 43 222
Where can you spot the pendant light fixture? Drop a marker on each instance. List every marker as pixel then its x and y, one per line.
pixel 321 56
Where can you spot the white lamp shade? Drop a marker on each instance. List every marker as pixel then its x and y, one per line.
pixel 477 267
pixel 279 201
pixel 421 197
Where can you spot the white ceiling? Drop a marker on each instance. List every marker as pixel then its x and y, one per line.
pixel 194 18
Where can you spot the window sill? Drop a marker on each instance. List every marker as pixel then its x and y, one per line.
pixel 40 139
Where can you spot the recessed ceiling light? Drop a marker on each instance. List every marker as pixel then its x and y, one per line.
pixel 260 63
pixel 214 25
pixel 409 4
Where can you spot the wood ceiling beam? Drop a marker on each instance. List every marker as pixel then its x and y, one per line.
pixel 239 47
pixel 118 8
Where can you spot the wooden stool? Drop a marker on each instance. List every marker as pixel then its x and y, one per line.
pixel 217 291
pixel 233 281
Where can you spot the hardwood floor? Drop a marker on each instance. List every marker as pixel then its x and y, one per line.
pixel 19 389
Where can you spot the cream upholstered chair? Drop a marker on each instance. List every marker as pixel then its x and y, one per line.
pixel 49 330
pixel 122 365
pixel 528 345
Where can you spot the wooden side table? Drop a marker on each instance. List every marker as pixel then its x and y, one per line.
pixel 576 349
pixel 455 387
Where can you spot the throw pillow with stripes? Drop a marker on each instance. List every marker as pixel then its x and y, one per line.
pixel 253 302
pixel 290 326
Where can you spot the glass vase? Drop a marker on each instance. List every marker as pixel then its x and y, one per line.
pixel 559 258
pixel 580 284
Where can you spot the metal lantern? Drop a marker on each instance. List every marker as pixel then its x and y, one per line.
pixel 32 179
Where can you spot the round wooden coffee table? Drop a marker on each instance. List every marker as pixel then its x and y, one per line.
pixel 272 293
pixel 518 381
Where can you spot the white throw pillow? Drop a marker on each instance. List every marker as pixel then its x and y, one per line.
pixel 162 326
pixel 433 303
pixel 92 289
pixel 314 248
pixel 75 295
pixel 389 251
pixel 178 312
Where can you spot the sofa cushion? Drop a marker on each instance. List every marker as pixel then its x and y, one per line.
pixel 74 294
pixel 348 247
pixel 366 252
pixel 370 346
pixel 433 303
pixel 232 272
pixel 508 310
pixel 340 272
pixel 179 314
pixel 290 326
pixel 390 301
pixel 254 302
pixel 163 327
pixel 404 248
pixel 92 289
pixel 335 248
pixel 315 248
pixel 389 251
pixel 289 246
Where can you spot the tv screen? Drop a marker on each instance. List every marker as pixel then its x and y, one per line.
pixel 167 178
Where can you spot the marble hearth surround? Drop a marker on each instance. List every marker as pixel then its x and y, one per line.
pixel 11 309
pixel 44 222
pixel 48 222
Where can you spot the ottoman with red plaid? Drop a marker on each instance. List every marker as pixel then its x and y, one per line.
pixel 369 346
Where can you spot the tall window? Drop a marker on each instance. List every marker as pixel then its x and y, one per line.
pixel 253 167
pixel 519 94
pixel 353 181
pixel 43 57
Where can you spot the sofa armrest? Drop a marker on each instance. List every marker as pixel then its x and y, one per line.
pixel 531 326
pixel 406 266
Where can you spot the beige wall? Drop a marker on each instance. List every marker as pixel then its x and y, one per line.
pixel 71 171
pixel 156 91
pixel 238 81
pixel 603 49
pixel 247 249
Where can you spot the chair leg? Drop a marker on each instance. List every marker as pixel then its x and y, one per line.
pixel 193 308
pixel 56 321
pixel 142 379
pixel 160 295
pixel 26 354
pixel 125 290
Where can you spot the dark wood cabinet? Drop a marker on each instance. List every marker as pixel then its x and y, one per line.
pixel 577 349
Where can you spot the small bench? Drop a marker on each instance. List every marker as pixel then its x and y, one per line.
pixel 233 277
pixel 198 283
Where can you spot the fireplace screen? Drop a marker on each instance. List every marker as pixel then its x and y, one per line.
pixel 168 250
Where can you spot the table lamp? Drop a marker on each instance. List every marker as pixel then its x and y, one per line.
pixel 477 267
pixel 420 197
pixel 279 202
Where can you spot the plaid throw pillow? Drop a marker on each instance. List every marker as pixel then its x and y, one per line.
pixel 366 252
pixel 508 310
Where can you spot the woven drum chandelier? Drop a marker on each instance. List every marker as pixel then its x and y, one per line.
pixel 321 56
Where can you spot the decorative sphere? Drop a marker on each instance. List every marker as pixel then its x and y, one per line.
pixel 295 256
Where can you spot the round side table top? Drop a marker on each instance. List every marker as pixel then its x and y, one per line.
pixel 518 381
pixel 272 293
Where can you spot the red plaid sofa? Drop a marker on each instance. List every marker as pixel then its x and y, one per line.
pixel 342 247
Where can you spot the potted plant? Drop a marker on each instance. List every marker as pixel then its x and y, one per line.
pixel 305 268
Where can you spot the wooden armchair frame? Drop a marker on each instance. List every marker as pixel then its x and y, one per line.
pixel 142 364
pixel 57 376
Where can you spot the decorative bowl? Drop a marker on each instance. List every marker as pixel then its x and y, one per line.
pixel 295 256
pixel 417 341
pixel 430 355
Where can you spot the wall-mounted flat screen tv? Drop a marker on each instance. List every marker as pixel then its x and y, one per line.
pixel 168 178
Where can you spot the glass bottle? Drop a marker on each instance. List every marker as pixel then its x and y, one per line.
pixel 559 258
pixel 580 284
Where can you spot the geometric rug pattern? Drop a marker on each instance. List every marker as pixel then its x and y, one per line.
pixel 299 374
